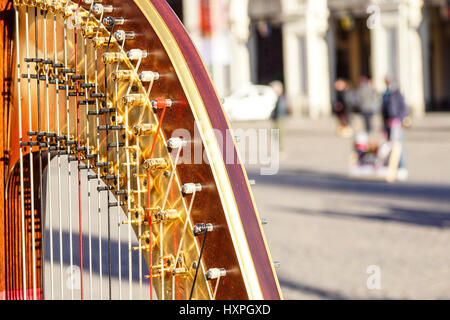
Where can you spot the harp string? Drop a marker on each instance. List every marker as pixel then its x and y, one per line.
pixel 119 253
pixel 99 227
pixel 107 162
pixel 22 190
pixel 77 85
pixel 49 175
pixel 58 133
pixel 166 195
pixel 186 222
pixel 127 154
pixel 130 257
pixel 138 178
pixel 161 227
pixel 68 138
pixel 33 247
pixel 39 139
pixel 216 287
pixel 128 168
pixel 88 148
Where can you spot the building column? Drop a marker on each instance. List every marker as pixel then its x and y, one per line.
pixel 415 95
pixel 191 19
pixel 239 36
pixel 397 50
pixel 295 72
pixel 214 43
pixel 306 57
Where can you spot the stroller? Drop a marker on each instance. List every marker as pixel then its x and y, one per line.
pixel 374 160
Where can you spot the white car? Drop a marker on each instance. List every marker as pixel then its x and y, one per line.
pixel 252 102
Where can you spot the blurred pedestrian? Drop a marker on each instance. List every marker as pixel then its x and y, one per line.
pixel 280 112
pixel 394 111
pixel 341 108
pixel 369 102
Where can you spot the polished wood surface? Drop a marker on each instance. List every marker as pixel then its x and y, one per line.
pixel 235 171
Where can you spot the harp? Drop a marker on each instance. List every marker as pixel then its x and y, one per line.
pixel 114 181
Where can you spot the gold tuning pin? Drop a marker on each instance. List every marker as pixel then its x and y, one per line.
pixel 146 238
pixel 144 129
pixel 181 271
pixel 168 265
pixel 132 100
pixel 155 164
pixel 90 31
pixel 156 273
pixel 102 42
pixel 132 164
pixel 112 57
pixel 122 75
pixel 139 191
pixel 166 215
pixel 138 211
pixel 143 248
pixel 137 221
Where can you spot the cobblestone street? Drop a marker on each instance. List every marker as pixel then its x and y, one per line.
pixel 326 229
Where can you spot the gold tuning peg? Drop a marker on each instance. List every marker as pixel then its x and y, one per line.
pixel 143 248
pixel 112 57
pixel 144 129
pixel 137 221
pixel 166 215
pixel 156 163
pixel 129 163
pixel 138 211
pixel 90 31
pixel 122 75
pixel 132 100
pixel 102 42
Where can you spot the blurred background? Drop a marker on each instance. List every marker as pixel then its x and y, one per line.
pixel 360 208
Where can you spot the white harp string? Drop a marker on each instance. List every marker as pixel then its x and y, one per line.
pixel 33 244
pixel 58 133
pixel 49 170
pixel 69 178
pixel 22 190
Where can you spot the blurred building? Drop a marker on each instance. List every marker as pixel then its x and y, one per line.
pixel 308 44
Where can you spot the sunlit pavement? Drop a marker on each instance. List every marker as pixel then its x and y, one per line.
pixel 327 230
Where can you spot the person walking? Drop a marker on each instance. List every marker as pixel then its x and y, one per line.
pixel 280 111
pixel 369 101
pixel 341 108
pixel 394 111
